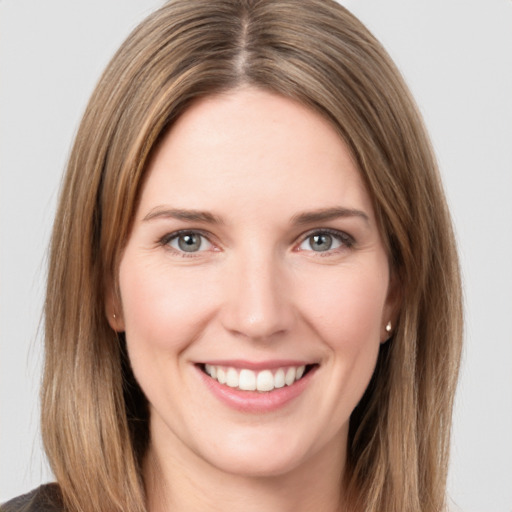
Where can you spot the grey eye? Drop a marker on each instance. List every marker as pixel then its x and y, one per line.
pixel 321 242
pixel 189 242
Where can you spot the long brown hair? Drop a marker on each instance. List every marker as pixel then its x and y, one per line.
pixel 94 415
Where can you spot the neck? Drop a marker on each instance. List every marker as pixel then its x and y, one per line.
pixel 182 482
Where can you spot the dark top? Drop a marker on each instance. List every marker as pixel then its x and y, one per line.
pixel 46 498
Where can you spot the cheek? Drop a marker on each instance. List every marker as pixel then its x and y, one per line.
pixel 161 309
pixel 347 307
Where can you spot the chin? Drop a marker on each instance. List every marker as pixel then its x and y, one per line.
pixel 263 465
pixel 263 454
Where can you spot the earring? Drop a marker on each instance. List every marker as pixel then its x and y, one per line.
pixel 114 316
pixel 389 327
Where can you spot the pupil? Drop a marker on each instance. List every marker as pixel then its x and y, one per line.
pixel 321 242
pixel 189 243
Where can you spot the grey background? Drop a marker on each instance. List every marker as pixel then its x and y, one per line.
pixel 457 58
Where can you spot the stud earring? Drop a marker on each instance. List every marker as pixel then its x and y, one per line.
pixel 389 327
pixel 114 316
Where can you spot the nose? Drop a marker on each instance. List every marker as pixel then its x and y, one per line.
pixel 258 301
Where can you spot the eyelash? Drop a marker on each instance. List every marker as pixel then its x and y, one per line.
pixel 166 240
pixel 346 241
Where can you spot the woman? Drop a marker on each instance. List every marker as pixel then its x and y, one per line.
pixel 253 294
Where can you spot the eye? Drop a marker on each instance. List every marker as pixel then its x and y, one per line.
pixel 187 241
pixel 325 240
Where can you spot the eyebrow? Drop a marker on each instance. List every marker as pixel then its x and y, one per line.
pixel 325 214
pixel 181 214
pixel 308 217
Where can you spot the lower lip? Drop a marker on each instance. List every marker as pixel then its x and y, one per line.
pixel 255 401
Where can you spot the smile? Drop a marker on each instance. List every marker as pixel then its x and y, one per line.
pixel 265 380
pixel 257 388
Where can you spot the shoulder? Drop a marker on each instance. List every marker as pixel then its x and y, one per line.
pixel 46 498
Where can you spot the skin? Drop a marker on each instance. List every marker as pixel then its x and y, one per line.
pixel 255 290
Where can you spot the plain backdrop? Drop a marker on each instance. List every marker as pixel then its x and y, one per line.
pixel 457 58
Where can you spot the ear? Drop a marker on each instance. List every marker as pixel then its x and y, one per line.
pixel 391 309
pixel 113 307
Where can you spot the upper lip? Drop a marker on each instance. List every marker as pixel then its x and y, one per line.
pixel 258 365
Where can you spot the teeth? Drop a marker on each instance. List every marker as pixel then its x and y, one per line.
pixel 221 375
pixel 232 378
pixel 279 378
pixel 211 370
pixel 291 373
pixel 249 380
pixel 265 381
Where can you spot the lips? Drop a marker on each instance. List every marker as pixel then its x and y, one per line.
pixel 251 387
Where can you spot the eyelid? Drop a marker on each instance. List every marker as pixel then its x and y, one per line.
pixel 346 240
pixel 169 237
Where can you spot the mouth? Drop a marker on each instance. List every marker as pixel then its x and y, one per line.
pixel 264 380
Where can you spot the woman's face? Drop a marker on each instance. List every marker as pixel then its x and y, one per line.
pixel 254 287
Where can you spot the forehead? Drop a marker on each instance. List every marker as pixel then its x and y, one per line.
pixel 252 146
